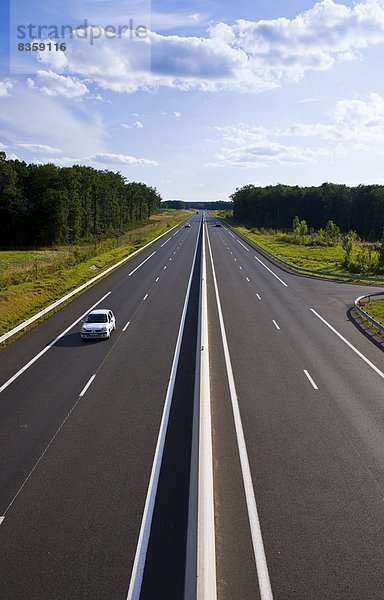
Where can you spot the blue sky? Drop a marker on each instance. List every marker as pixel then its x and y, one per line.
pixel 212 95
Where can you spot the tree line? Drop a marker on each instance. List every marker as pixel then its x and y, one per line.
pixel 42 205
pixel 181 204
pixel 360 208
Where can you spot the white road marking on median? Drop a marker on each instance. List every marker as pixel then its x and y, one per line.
pixel 145 529
pixel 126 326
pixel 141 264
pixel 257 539
pixel 82 393
pixel 145 297
pixel 166 242
pixel 49 346
pixel 275 324
pixel 351 346
pixel 268 269
pixel 311 380
pixel 241 244
pixel 258 296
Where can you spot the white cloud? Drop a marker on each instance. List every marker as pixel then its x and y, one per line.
pixel 177 114
pixel 52 84
pixel 5 87
pixel 353 119
pixel 121 159
pixel 248 56
pixel 28 115
pixel 39 148
pixel 136 125
pixel 251 147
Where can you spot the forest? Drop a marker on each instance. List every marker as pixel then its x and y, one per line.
pixel 360 209
pixel 45 205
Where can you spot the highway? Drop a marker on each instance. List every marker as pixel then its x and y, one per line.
pixel 96 438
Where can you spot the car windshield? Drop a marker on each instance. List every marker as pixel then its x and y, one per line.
pixel 96 318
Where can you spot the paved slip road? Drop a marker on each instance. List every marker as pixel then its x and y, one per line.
pixel 76 451
pixel 74 469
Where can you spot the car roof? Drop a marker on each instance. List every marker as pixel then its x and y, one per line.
pixel 98 311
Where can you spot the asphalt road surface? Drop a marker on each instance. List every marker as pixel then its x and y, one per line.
pixel 299 499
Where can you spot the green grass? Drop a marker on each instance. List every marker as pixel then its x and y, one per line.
pixel 375 309
pixel 328 259
pixel 27 286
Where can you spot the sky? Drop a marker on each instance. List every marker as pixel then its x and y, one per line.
pixel 197 98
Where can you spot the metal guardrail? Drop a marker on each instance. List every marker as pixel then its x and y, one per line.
pixel 303 270
pixel 360 302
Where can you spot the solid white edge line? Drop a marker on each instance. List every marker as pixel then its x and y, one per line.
pixel 351 346
pixel 141 264
pixel 84 390
pixel 275 324
pixel 145 528
pixel 257 539
pixel 310 379
pixel 49 346
pixel 206 551
pixel 48 309
pixel 270 270
pixel 241 244
pixel 126 326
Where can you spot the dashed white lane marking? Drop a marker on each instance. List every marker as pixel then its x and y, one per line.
pixel 49 346
pixel 157 279
pixel 275 324
pixel 83 391
pixel 259 298
pixel 270 270
pixel 231 234
pixel 141 264
pixel 126 326
pixel 366 360
pixel 247 278
pixel 241 244
pixel 145 297
pixel 166 242
pixel 311 380
pixel 165 267
pixel 1 520
pixel 240 267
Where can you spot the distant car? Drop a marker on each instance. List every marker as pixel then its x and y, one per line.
pixel 187 225
pixel 98 324
pixel 217 224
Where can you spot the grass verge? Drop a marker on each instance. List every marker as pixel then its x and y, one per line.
pixel 26 288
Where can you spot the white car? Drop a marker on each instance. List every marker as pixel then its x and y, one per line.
pixel 98 324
